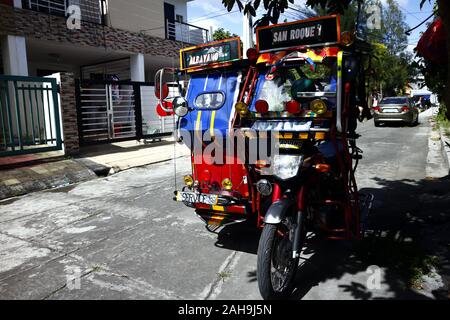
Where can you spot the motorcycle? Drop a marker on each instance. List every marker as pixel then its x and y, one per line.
pixel 297 96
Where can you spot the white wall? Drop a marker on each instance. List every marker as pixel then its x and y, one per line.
pixel 14 56
pixel 140 15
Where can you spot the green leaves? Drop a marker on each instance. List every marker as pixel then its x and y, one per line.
pixel 221 34
pixel 249 9
pixel 422 2
pixel 229 4
pixel 274 8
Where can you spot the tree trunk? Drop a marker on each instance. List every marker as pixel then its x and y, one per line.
pixel 444 13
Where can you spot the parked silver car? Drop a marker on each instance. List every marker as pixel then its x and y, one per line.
pixel 396 109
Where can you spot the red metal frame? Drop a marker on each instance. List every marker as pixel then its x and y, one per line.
pixel 351 202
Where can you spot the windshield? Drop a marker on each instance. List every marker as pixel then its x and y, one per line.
pixel 296 82
pixel 399 100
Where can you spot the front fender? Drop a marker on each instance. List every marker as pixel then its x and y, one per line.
pixel 278 211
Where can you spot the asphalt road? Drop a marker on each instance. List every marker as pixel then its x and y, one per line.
pixel 123 237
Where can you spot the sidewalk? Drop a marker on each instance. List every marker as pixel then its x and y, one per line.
pixel 440 142
pixel 39 173
pixel 130 154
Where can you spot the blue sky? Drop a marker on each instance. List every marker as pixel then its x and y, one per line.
pixel 211 13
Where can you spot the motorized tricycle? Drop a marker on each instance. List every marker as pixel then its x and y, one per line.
pixel 273 137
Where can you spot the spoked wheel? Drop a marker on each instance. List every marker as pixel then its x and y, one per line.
pixel 275 266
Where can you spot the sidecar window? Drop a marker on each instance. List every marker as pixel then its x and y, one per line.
pixel 210 100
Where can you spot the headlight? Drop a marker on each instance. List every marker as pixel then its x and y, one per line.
pixel 286 166
pixel 180 106
pixel 264 187
pixel 318 106
pixel 188 180
pixel 242 108
pixel 227 184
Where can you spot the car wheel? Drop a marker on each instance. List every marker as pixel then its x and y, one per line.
pixel 377 124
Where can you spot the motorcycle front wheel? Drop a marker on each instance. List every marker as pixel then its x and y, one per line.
pixel 275 266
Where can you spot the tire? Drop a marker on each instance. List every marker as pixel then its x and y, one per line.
pixel 266 251
pixel 377 124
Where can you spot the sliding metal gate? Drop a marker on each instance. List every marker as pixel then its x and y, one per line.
pixel 112 111
pixel 29 115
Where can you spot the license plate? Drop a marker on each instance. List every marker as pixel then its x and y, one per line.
pixel 192 197
pixel 390 110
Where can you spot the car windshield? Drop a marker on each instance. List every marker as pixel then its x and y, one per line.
pixel 293 82
pixel 399 100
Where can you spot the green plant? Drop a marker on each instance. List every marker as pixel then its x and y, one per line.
pixel 442 121
pixel 222 34
pixel 224 275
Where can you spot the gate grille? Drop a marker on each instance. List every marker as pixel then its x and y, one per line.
pixel 29 115
pixel 94 113
pixel 110 111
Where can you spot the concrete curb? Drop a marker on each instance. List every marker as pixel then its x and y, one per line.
pixel 437 165
pixel 45 176
pixel 445 142
pixel 57 174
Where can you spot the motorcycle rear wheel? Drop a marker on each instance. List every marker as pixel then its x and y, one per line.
pixel 275 280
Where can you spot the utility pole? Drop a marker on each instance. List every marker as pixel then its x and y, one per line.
pixel 247 32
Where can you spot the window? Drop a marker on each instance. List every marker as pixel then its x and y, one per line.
pixel 179 18
pixel 394 100
pixel 210 100
pixel 293 82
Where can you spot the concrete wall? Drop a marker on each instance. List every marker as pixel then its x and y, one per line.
pixel 36 25
pixel 140 15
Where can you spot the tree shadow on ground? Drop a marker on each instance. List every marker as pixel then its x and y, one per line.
pixel 408 232
pixel 408 236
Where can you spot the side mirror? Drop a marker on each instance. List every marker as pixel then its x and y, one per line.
pixel 180 106
pixel 165 91
pixel 161 88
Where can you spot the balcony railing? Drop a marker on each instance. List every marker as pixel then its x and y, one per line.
pixel 186 33
pixel 91 10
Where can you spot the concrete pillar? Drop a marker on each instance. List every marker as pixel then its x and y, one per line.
pixel 247 33
pixel 69 114
pixel 137 67
pixel 14 53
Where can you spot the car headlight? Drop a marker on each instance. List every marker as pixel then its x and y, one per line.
pixel 286 166
pixel 180 106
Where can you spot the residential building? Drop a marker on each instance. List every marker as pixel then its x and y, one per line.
pixel 118 39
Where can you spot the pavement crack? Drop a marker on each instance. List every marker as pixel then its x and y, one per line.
pixel 214 288
pixel 65 285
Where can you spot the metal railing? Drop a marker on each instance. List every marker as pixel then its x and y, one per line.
pixel 111 111
pixel 91 10
pixel 29 115
pixel 186 33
